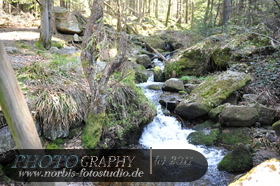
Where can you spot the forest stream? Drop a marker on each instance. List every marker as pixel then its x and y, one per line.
pixel 166 132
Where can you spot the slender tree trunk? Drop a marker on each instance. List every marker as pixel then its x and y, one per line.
pixel 62 3
pixel 156 10
pixel 187 12
pixel 226 12
pixel 206 13
pixel 179 11
pixel 119 23
pixel 168 13
pixel 46 8
pixel 192 20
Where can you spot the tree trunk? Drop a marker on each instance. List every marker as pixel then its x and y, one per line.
pixel 226 12
pixel 46 8
pixel 119 23
pixel 93 37
pixel 192 20
pixel 206 13
pixel 187 12
pixel 179 11
pixel 156 10
pixel 168 13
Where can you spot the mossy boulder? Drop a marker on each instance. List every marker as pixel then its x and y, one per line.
pixel 155 41
pixel 170 100
pixel 173 85
pixel 158 74
pixel 239 116
pixel 237 160
pixel 211 93
pixel 198 59
pixel 276 127
pixel 266 173
pixel 231 136
pixel 206 137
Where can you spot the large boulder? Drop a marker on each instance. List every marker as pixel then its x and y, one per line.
pixel 66 22
pixel 173 85
pixel 198 59
pixel 155 42
pixel 211 93
pixel 237 160
pixel 276 127
pixel 234 135
pixel 266 173
pixel 206 137
pixel 239 116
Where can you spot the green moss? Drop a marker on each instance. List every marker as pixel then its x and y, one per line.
pixel 232 136
pixel 214 113
pixel 205 137
pixel 39 45
pixel 93 129
pixel 238 160
pixel 221 57
pixel 276 127
pixel 52 146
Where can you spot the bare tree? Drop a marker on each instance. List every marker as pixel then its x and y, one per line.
pixel 93 38
pixel 168 13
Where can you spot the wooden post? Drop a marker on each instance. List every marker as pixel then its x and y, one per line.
pixel 16 111
pixel 15 108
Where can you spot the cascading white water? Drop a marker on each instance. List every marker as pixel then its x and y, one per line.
pixel 165 132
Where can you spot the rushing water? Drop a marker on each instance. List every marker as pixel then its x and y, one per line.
pixel 165 132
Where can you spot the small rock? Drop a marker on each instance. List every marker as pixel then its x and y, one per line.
pixel 77 39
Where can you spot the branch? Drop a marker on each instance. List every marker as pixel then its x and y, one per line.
pixel 277 4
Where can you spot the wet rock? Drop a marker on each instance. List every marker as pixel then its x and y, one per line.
pixel 211 93
pixel 141 76
pixel 266 173
pixel 66 22
pixel 237 160
pixel 170 100
pixel 173 85
pixel 266 114
pixel 144 60
pixel 7 141
pixel 239 116
pixel 232 99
